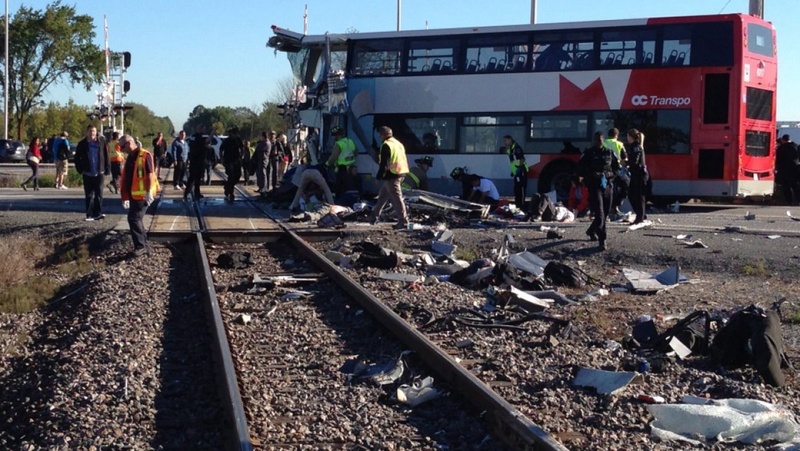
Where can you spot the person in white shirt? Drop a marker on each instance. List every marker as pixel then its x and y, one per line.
pixel 484 191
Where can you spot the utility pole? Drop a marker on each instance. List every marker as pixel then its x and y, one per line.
pixel 533 12
pixel 757 8
pixel 399 10
pixel 5 85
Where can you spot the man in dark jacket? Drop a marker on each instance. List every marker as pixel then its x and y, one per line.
pixel 91 161
pixel 787 171
pixel 231 151
pixel 197 161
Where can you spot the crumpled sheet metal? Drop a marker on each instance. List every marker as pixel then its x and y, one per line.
pixel 469 209
pixel 726 420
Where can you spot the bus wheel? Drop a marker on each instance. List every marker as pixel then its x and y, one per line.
pixel 557 177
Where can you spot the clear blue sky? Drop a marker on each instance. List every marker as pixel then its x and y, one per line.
pixel 213 53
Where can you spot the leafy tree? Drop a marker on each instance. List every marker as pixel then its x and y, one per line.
pixel 219 119
pixel 141 122
pixel 48 47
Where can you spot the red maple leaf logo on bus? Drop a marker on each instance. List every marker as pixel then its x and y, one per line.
pixel 574 98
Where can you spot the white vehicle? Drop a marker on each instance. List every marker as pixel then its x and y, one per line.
pixel 214 140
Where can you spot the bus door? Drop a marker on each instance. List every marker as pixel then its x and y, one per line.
pixel 715 137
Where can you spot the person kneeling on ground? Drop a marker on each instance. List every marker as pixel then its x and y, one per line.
pixel 311 182
pixel 578 201
pixel 484 191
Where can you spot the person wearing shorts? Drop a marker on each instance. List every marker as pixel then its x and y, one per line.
pixel 62 161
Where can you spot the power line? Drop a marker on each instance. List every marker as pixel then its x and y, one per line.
pixel 723 8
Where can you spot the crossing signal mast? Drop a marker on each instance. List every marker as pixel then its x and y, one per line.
pixel 111 102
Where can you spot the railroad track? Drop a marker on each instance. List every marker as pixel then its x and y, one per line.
pixel 280 346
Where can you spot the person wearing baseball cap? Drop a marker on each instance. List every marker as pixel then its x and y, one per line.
pixel 418 175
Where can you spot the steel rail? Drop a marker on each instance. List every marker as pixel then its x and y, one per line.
pixel 238 437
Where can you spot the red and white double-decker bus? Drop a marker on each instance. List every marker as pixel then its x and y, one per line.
pixel 701 88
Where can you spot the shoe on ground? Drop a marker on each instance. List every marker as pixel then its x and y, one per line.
pixel 139 251
pixel 99 217
pixel 110 188
pixel 592 236
pixel 602 245
pixel 176 187
pixel 400 226
pixel 24 187
pixel 89 219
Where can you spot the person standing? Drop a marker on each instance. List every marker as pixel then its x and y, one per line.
pixel 417 177
pixel 138 188
pixel 622 180
pixel 637 167
pixel 210 161
pixel 91 161
pixel 512 149
pixel 261 156
pixel 33 159
pixel 49 151
pixel 61 151
pixel 272 162
pixel 197 161
pixel 519 173
pixel 342 158
pixel 231 152
pixel 392 169
pixel 180 153
pixel 285 155
pixel 116 157
pixel 247 158
pixel 597 166
pixel 787 170
pixel 159 150
pixel 518 168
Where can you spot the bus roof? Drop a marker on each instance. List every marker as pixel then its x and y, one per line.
pixel 287 40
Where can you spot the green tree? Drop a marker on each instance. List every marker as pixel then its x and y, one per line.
pixel 45 48
pixel 141 122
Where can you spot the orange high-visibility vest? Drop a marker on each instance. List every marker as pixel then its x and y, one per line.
pixel 115 153
pixel 138 185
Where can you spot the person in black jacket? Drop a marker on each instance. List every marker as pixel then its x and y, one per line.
pixel 637 167
pixel 787 171
pixel 197 161
pixel 598 166
pixel 231 152
pixel 91 161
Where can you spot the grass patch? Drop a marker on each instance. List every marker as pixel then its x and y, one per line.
pixel 755 269
pixel 22 287
pixel 47 178
pixel 21 290
pixel 74 261
pixel 17 346
pixel 466 254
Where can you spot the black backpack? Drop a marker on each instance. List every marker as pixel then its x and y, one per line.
pixel 63 150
